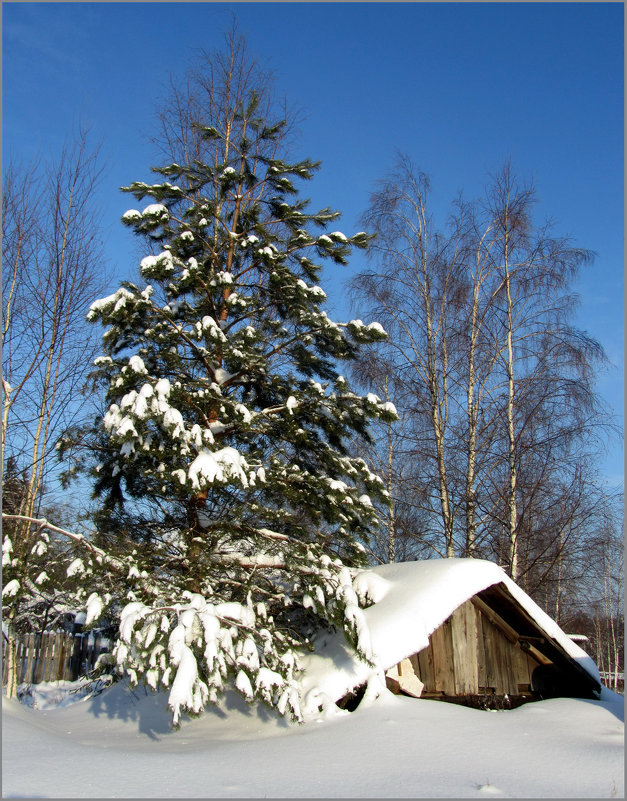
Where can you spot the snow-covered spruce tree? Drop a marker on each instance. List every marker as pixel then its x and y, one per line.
pixel 228 423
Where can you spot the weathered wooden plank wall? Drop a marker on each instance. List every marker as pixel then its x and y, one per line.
pixel 471 654
pixel 465 649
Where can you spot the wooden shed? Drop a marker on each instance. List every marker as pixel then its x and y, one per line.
pixel 457 630
pixel 491 653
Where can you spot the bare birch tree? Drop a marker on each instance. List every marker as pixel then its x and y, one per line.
pixel 410 291
pixel 548 407
pixel 53 265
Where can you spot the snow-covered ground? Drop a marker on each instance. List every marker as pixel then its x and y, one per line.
pixel 119 744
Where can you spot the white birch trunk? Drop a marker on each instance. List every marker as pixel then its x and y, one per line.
pixel 512 516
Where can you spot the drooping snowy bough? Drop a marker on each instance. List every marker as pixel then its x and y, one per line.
pixel 224 450
pixel 198 646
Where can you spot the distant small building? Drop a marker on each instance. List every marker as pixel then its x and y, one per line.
pixel 457 630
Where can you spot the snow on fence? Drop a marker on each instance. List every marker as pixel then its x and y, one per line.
pixel 53 656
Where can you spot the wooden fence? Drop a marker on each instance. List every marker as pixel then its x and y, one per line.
pixel 54 655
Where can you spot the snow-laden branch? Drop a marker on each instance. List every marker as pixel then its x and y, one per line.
pixel 119 565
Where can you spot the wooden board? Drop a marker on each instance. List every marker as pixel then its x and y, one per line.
pixel 493 656
pixel 56 659
pixel 508 667
pixel 29 657
pixel 484 686
pixel 41 656
pixel 443 668
pixel 423 667
pixel 465 652
pixel 408 680
pixel 495 619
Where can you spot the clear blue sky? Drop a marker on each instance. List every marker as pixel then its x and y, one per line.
pixel 460 87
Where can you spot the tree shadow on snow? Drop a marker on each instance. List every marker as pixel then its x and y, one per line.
pixel 153 717
pixel 233 702
pixel 612 701
pixel 148 709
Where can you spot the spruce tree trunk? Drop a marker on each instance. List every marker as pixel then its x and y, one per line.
pixel 196 543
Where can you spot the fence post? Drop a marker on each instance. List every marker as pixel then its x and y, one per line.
pixel 29 647
pixel 45 657
pixel 20 658
pixel 96 651
pixel 56 661
pixel 68 657
pixel 75 659
pixel 83 658
pixel 34 661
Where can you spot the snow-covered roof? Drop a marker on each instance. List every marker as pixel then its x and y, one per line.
pixel 410 600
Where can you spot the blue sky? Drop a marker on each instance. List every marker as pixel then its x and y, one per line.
pixel 460 87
